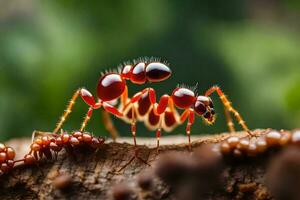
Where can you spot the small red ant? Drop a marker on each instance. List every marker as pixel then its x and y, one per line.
pixel 143 106
pixel 112 86
pixel 45 145
pixel 163 115
pixel 7 155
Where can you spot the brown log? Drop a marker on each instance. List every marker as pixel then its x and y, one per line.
pixel 93 175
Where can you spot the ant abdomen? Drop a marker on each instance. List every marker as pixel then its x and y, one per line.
pixel 143 72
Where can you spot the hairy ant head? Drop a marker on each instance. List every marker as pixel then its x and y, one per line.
pixel 183 98
pixel 205 108
pixel 110 87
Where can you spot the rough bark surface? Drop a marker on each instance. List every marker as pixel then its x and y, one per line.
pixel 93 174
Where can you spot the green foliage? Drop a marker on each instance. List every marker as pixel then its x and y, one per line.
pixel 50 48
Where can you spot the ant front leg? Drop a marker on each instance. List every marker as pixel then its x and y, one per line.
pixel 89 99
pixel 230 123
pixel 160 109
pixel 190 115
pixel 229 108
pixel 67 111
pixel 106 118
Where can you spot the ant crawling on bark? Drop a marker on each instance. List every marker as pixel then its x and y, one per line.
pixel 143 106
pixel 7 155
pixel 45 146
pixel 112 86
pixel 163 115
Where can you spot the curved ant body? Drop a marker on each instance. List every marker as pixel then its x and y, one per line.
pixel 163 115
pixel 112 86
pixel 142 106
pixel 7 155
pixel 45 146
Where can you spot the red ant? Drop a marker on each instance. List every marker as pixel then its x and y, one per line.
pixel 7 155
pixel 163 115
pixel 45 145
pixel 112 86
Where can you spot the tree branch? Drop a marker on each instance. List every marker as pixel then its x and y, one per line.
pixel 92 175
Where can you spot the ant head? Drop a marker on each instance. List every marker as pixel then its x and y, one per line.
pixel 183 98
pixel 204 107
pixel 156 72
pixel 110 87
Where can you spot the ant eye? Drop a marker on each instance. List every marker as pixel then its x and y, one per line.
pixel 212 111
pixel 207 115
pixel 200 108
pixel 183 98
pixel 156 72
pixel 110 87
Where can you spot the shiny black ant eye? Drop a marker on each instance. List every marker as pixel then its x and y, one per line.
pixel 199 108
pixel 207 115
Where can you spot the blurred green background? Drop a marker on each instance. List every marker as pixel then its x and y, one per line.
pixel 50 48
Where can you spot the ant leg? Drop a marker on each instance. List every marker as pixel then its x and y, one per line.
pixel 89 115
pixel 138 96
pixel 111 109
pixel 106 118
pixel 162 105
pixel 230 123
pixel 158 134
pixel 87 98
pixel 124 97
pixel 188 113
pixel 133 132
pixel 188 126
pixel 86 119
pixel 229 107
pixel 67 111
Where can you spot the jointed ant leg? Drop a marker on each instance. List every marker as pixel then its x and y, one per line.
pixel 106 118
pixel 228 107
pixel 190 115
pixel 188 126
pixel 158 134
pixel 230 123
pixel 133 132
pixel 133 126
pixel 86 119
pixel 67 111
